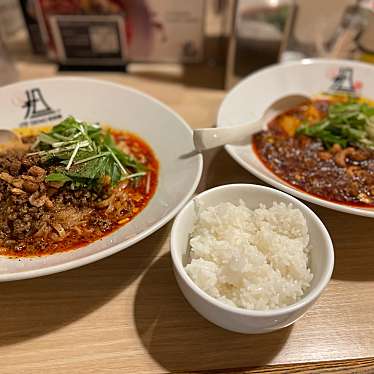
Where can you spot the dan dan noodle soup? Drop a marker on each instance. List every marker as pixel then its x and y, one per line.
pixel 71 185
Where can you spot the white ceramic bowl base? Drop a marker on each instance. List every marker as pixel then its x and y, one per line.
pixel 49 100
pixel 237 319
pixel 248 100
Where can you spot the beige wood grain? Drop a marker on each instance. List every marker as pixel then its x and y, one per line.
pixel 125 313
pixel 357 366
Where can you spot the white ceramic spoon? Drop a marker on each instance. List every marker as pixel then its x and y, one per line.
pixel 8 136
pixel 208 138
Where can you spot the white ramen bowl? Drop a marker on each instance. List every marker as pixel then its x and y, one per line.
pixel 252 96
pixel 49 100
pixel 234 318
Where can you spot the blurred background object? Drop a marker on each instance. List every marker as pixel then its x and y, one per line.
pixel 268 31
pixel 339 29
pixel 113 32
pixel 11 24
pixel 35 35
pixel 8 73
pixel 206 43
pixel 11 20
pixel 257 32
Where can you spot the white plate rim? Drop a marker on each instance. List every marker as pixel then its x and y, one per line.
pixel 276 181
pixel 76 263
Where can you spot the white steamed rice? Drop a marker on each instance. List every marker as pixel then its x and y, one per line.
pixel 253 259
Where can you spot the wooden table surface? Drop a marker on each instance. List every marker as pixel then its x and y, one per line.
pixel 125 314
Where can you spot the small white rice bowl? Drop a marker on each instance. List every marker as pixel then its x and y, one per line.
pixel 253 259
pixel 292 239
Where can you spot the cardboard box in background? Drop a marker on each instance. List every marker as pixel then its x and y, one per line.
pixel 80 32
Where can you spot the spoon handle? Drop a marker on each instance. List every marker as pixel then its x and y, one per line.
pixel 205 139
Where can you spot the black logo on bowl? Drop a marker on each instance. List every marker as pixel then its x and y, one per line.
pixel 37 109
pixel 343 82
